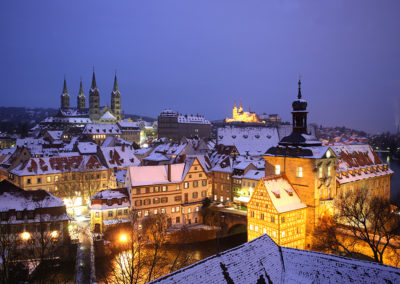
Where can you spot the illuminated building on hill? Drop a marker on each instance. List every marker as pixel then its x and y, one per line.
pixel 238 115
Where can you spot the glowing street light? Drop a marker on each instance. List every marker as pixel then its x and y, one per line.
pixel 54 234
pixel 25 236
pixel 123 238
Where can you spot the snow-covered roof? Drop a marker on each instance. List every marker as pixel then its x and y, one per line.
pixel 312 152
pixel 87 147
pixel 156 157
pixel 13 197
pixel 170 148
pixel 55 135
pixel 278 189
pixel 108 116
pixel 221 163
pixel 254 141
pixel 110 194
pixel 120 175
pixel 148 175
pixel 263 261
pixel 109 129
pixel 127 124
pixel 52 165
pixel 254 175
pixel 119 156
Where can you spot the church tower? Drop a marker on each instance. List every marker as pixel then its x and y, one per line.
pixel 94 100
pixel 65 96
pixel 81 103
pixel 299 113
pixel 116 100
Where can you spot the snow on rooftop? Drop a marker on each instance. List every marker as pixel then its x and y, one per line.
pixel 278 189
pixel 107 115
pixel 110 194
pixel 109 129
pixel 119 156
pixel 263 261
pixel 254 141
pixel 254 174
pixel 148 175
pixel 87 147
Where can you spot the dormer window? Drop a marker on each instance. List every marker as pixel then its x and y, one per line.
pixel 277 169
pixel 299 172
pixel 289 191
pixel 109 202
pixel 277 193
pixel 119 201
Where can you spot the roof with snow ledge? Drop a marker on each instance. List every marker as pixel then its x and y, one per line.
pixel 263 261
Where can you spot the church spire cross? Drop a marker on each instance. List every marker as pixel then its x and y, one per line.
pixel 299 93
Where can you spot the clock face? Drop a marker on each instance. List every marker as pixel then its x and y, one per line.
pixel 328 154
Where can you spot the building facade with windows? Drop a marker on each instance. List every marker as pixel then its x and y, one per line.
pixel 174 189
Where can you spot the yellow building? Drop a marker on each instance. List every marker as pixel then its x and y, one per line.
pixel 174 189
pixel 109 208
pixel 238 114
pixel 276 209
pixel 73 178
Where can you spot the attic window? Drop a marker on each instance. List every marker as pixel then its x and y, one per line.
pixel 289 191
pixel 233 136
pixel 257 136
pixel 269 136
pixel 245 136
pixel 277 193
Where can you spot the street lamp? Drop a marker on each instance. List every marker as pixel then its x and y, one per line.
pixel 25 236
pixel 123 238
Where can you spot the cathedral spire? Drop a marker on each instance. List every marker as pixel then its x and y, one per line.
pixel 65 91
pixel 115 83
pixel 81 89
pixel 94 84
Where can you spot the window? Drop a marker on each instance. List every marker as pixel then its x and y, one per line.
pixel 30 215
pixel 189 210
pixel 320 172
pixel 48 179
pixel 164 199
pixel 298 216
pixel 252 214
pixel 277 169
pixel 28 181
pixel 178 220
pixel 140 226
pixel 200 175
pixel 186 185
pixel 256 228
pixel 19 215
pixel 147 189
pixel 137 190
pixel 162 210
pixel 39 180
pixel 97 214
pixel 298 230
pixel 251 227
pixel 56 178
pixel 215 197
pixel 195 194
pixel 222 199
pixel 329 171
pixel 262 216
pixel 197 209
pixel 274 234
pixel 125 211
pixel 178 187
pixel 178 198
pixel 183 210
pixel 110 213
pixel 264 230
pixel 156 189
pixel 146 213
pixel 164 188
pixel 139 214
pixel 119 201
pixel 283 234
pixel 119 212
pixel 195 183
pixel 155 211
pixel 204 182
pixel 173 210
pixel 109 202
pixel 299 172
pixel 272 219
pixel 195 220
pixel 177 209
pixel 283 219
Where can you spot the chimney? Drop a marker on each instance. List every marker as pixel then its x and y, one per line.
pixel 123 147
pixel 169 172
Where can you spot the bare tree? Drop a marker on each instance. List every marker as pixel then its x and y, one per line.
pixel 8 251
pixel 361 219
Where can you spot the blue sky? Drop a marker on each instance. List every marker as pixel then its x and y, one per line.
pixel 200 56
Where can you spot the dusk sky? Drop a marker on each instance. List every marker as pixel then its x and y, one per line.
pixel 201 56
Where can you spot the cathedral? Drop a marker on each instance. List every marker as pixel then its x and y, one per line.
pixel 95 113
pixel 239 115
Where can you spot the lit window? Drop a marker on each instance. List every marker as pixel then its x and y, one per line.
pixel 48 179
pixel 173 210
pixel 155 211
pixel 177 209
pixel 162 210
pixel 256 228
pixel 251 226
pixel 329 171
pixel 215 196
pixel 56 178
pixel 274 234
pixel 283 219
pixel 277 169
pixel 178 187
pixel 283 234
pixel 189 210
pixel 97 215
pixel 299 172
pixel 110 213
pixel 320 172
pixel 197 208
pixel 222 199
pixel 146 213
pixel 264 230
pixel 186 185
pixel 164 188
pixel 140 226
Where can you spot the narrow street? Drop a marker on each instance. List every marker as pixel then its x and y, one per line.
pixel 83 264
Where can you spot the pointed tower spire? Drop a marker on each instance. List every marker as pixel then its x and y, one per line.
pixel 299 93
pixel 65 91
pixel 94 84
pixel 81 88
pixel 115 83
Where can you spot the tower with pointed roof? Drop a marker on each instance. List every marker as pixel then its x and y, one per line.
pixel 81 101
pixel 94 100
pixel 65 96
pixel 116 100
